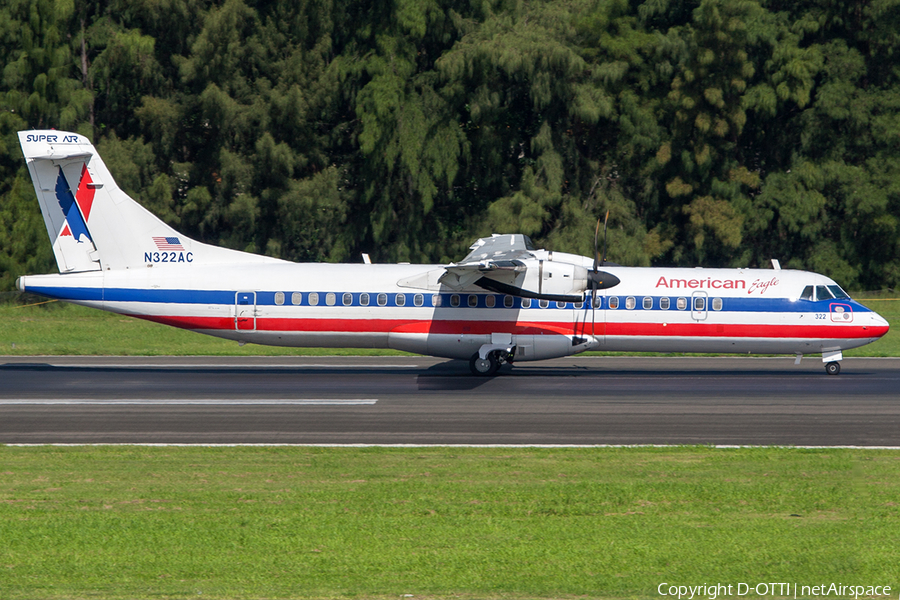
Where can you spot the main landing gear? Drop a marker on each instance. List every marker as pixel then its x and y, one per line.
pixel 485 367
pixel 833 368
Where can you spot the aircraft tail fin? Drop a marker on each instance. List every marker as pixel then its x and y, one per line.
pixel 94 225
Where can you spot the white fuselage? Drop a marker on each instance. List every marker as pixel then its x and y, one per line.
pixel 405 307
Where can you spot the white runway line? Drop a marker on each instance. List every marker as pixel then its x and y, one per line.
pixel 189 402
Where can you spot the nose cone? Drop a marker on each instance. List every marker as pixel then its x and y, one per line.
pixel 20 284
pixel 878 325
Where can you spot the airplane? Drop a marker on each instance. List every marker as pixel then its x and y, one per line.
pixel 505 302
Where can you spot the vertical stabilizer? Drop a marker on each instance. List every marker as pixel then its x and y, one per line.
pixel 93 224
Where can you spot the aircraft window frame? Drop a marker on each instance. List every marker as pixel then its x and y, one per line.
pixel 381 299
pixel 313 298
pixel 630 303
pixel 699 303
pixel 400 299
pixel 508 301
pixel 418 300
pixel 664 303
pixel 829 295
pixel 647 302
pixel 364 299
pixel 296 298
pixel 717 304
pixel 454 300
pixel 543 303
pixel 436 300
pixel 490 301
pixel 347 299
pixel 560 304
pixel 614 302
pixel 472 301
pixel 526 302
pixel 578 305
pixel 330 299
pixel 598 302
pixel 681 303
pixel 843 295
pixel 808 293
pixel 279 298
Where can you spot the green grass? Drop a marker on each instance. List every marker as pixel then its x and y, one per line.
pixel 178 522
pixel 136 522
pixel 58 328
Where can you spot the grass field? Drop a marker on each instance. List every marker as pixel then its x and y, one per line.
pixel 180 522
pixel 58 328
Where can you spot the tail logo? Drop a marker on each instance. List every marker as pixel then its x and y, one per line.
pixel 77 208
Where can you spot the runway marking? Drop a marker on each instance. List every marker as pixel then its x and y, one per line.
pixel 190 402
pixel 101 365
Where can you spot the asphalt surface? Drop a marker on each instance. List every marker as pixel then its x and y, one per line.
pixel 415 400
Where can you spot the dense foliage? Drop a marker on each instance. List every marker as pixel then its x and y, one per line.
pixel 717 132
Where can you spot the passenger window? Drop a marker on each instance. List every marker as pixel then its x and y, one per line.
pixel 296 298
pixel 418 299
pixel 838 292
pixel 629 302
pixel 648 302
pixel 508 301
pixel 364 299
pixel 313 298
pixel 454 300
pixel 717 304
pixel 699 302
pixel 279 298
pixel 807 293
pixel 348 299
pixel 526 302
pixel 401 299
pixel 382 299
pixel 598 301
pixel 489 301
pixel 544 303
pixel 664 303
pixel 560 304
pixel 473 300
pixel 329 298
pixel 614 302
pixel 681 303
pixel 579 305
pixel 822 293
pixel 435 299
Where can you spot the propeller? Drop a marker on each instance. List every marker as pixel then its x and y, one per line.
pixel 597 279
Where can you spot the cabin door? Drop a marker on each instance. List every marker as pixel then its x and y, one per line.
pixel 245 311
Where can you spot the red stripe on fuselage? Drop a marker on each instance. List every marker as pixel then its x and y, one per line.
pixel 711 330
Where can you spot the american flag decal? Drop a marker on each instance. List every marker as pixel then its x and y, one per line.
pixel 168 243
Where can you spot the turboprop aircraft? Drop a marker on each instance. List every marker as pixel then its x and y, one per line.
pixel 505 302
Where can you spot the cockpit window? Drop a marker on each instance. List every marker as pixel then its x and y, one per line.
pixel 822 293
pixel 838 292
pixel 807 293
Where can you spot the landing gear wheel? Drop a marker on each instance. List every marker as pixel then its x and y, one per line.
pixel 833 368
pixel 484 367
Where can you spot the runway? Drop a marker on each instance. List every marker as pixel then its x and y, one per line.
pixel 417 400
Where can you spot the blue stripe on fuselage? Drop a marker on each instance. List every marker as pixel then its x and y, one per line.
pixel 779 305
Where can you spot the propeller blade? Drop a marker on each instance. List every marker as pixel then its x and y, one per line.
pixel 596 248
pixel 605 223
